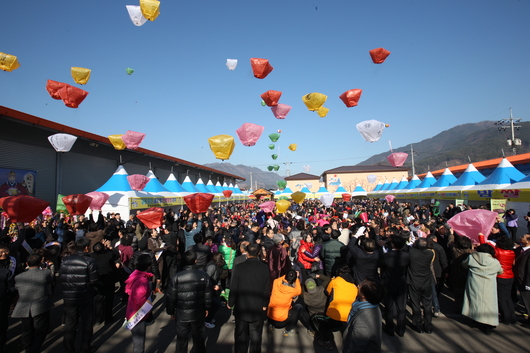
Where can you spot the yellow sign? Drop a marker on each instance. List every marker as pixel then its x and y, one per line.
pixel 498 205
pixel 139 203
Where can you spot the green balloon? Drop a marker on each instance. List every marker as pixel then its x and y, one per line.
pixel 274 137
pixel 61 207
pixel 281 184
pixel 274 156
pixel 270 168
pixel 276 167
pixel 271 146
pixel 283 198
pixel 263 103
pixel 129 71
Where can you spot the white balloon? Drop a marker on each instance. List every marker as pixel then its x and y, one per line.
pixel 231 64
pixel 62 142
pixel 371 130
pixel 327 199
pixel 135 13
pixel 307 168
pixel 372 178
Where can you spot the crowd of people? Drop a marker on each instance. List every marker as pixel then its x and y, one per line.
pixel 346 268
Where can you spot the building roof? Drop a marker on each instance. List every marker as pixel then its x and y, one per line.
pixel 365 169
pixel 15 114
pixel 490 163
pixel 302 176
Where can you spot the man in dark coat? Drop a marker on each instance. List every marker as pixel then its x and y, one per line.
pixel 365 259
pixel 249 295
pixel 331 254
pixel 420 282
pixel 79 276
pixel 522 272
pixel 7 291
pixel 203 251
pixel 394 265
pixel 34 303
pixel 440 266
pixel 188 299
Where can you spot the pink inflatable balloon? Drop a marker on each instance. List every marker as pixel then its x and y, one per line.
pixel 137 181
pixel 249 133
pixel 470 223
pixel 390 198
pixel 133 139
pixel 280 111
pixel 397 159
pixel 98 200
pixel 267 206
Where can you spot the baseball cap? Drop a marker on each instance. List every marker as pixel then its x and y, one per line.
pixel 311 286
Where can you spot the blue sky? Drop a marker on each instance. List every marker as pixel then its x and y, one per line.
pixel 452 62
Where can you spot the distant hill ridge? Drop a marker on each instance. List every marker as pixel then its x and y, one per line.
pixel 478 141
pixel 263 179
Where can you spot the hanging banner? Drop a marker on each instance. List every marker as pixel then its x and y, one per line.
pixel 15 182
pixel 499 206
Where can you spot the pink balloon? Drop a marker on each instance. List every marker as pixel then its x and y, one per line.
pixel 471 222
pixel 249 133
pixel 98 200
pixel 137 181
pixel 133 139
pixel 267 206
pixel 280 111
pixel 397 159
pixel 390 198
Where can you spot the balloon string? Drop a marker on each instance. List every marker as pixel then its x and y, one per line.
pixel 390 144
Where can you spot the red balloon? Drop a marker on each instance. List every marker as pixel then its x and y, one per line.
pixel 346 197
pixel 152 217
pixel 23 208
pixel 137 181
pixel 77 203
pixel 53 88
pixel 227 193
pixel 379 55
pixel 72 96
pixel 271 97
pixel 364 217
pixel 98 200
pixel 397 159
pixel 351 97
pixel 198 202
pixel 260 67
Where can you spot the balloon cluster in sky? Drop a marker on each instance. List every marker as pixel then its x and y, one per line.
pixel 130 140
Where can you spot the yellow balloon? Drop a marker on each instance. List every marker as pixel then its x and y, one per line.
pixel 8 62
pixel 80 75
pixel 298 196
pixel 292 146
pixel 117 142
pixel 322 111
pixel 315 100
pixel 150 9
pixel 282 206
pixel 222 146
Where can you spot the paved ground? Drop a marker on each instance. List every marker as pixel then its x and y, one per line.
pixel 452 333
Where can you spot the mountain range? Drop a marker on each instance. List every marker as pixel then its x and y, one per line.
pixel 472 142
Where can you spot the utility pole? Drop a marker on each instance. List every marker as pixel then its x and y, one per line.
pixel 504 124
pixel 412 156
pixel 288 169
pixel 250 188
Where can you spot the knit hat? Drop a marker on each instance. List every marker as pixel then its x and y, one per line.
pixel 311 286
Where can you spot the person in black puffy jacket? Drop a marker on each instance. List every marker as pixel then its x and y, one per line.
pixel 79 278
pixel 188 299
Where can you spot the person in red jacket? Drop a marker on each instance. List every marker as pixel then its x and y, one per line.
pixel 306 245
pixel 506 256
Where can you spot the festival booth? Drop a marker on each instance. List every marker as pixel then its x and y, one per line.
pixel 340 190
pixel 321 191
pixel 174 186
pixel 307 192
pixel 517 196
pixel 402 183
pixel 375 190
pixel 413 195
pixel 453 193
pixel 446 179
pixel 359 192
pixel 385 190
pixel 413 183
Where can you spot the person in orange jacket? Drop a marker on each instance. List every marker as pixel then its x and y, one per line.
pixel 281 312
